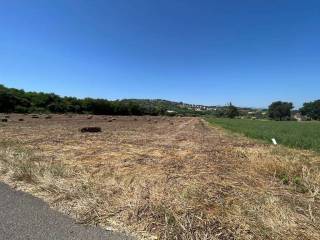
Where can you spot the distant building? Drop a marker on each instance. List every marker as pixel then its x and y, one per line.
pixel 299 117
pixel 171 111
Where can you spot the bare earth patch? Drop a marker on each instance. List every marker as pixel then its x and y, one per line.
pixel 170 178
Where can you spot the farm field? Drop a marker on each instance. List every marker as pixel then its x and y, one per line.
pixel 163 177
pixel 303 135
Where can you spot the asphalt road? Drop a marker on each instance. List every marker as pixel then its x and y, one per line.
pixel 24 217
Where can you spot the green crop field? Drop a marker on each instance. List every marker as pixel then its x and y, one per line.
pixel 303 135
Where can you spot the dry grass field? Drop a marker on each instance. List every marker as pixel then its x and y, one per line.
pixel 165 178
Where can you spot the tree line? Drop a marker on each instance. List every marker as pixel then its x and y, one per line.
pixel 18 101
pixel 280 111
pixel 283 110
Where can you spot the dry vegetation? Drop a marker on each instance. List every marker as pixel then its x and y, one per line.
pixel 174 178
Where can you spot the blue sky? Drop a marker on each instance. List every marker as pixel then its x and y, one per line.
pixel 249 52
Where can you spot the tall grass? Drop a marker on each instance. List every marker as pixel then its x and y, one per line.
pixel 303 135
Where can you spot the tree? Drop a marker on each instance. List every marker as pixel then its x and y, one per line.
pixel 231 111
pixel 280 110
pixel 7 102
pixel 97 106
pixel 11 101
pixel 311 109
pixel 134 109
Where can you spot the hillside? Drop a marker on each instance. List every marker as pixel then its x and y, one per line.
pixel 19 101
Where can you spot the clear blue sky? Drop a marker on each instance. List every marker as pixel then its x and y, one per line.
pixel 250 52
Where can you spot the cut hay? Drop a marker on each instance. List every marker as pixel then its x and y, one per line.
pixel 185 182
pixel 91 129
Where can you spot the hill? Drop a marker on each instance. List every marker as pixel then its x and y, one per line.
pixel 19 101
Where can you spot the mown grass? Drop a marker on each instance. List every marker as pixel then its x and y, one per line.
pixel 184 181
pixel 302 135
